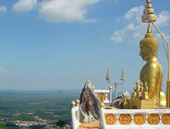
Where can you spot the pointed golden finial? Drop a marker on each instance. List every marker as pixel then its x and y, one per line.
pixel 137 86
pixel 108 75
pixel 148 1
pixel 102 102
pixel 77 101
pixel 122 75
pixel 149 30
pixel 93 87
pixel 137 82
pixel 73 103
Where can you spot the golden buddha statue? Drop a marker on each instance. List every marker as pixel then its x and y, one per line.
pixel 152 72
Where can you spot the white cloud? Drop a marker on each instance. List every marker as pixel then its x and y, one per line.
pixel 133 18
pixel 2 71
pixel 24 5
pixel 66 10
pixel 119 34
pixel 134 26
pixel 3 9
pixel 130 27
pixel 137 35
pixel 163 19
pixel 134 12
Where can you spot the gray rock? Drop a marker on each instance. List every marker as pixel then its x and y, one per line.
pixel 89 104
pixel 118 103
pixel 125 95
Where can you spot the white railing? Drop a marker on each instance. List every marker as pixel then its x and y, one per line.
pixel 75 116
pixel 147 118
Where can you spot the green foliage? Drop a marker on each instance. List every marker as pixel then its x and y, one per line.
pixel 2 125
pixel 60 123
pixel 11 126
pixel 37 126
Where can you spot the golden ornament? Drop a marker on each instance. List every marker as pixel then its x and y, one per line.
pixel 110 119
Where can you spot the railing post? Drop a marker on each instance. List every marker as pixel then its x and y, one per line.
pixel 110 97
pixel 102 116
pixel 73 114
pixel 78 110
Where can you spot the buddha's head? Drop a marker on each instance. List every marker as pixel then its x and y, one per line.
pixel 148 45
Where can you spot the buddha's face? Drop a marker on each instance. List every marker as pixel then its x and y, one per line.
pixel 144 52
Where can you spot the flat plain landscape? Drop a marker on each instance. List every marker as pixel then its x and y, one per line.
pixel 35 108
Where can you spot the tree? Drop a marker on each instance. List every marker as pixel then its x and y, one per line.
pixel 60 123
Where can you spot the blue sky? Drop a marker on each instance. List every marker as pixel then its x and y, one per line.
pixel 57 44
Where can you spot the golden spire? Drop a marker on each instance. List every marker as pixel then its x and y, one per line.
pixel 149 30
pixel 148 16
pixel 148 1
pixel 122 75
pixel 108 75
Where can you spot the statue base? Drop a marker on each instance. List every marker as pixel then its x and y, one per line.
pixel 139 104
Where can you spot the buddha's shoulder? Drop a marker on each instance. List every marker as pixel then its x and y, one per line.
pixel 154 66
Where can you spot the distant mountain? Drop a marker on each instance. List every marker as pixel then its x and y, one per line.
pixel 39 92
